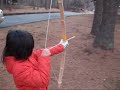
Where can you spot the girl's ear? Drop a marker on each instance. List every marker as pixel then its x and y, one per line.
pixel 46 52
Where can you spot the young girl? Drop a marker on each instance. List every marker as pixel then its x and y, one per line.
pixel 30 69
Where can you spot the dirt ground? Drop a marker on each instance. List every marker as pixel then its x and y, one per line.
pixel 86 67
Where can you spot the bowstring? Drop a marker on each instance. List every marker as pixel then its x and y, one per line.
pixel 47 31
pixel 48 24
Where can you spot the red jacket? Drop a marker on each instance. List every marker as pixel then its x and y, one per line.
pixel 34 73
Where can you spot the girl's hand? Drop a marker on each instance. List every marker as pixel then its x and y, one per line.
pixel 64 43
pixel 46 52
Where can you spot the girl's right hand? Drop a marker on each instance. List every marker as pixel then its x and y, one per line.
pixel 46 52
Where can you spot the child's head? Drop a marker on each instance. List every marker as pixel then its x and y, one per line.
pixel 19 44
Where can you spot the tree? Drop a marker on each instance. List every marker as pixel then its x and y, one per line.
pixel 55 3
pixel 94 1
pixel 1 2
pixel 14 1
pixel 47 4
pixel 105 29
pixel 97 16
pixel 75 5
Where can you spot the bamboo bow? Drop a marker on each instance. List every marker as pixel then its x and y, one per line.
pixel 62 64
pixel 60 3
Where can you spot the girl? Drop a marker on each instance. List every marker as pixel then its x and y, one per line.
pixel 30 69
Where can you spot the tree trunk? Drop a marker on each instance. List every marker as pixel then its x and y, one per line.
pixel 41 3
pixel 94 1
pixel 105 36
pixel 33 4
pixel 97 17
pixel 1 2
pixel 55 3
pixel 68 4
pixel 65 4
pixel 47 4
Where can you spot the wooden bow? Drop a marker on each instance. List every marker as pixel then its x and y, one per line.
pixel 60 3
pixel 61 8
pixel 63 27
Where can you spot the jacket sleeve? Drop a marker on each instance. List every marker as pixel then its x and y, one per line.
pixel 56 49
pixel 28 76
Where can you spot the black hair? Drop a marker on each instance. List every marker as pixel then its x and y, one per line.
pixel 19 44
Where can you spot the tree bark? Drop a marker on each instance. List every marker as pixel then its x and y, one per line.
pixel 94 1
pixel 1 2
pixel 97 17
pixel 55 3
pixel 47 4
pixel 105 35
pixel 33 4
pixel 41 3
